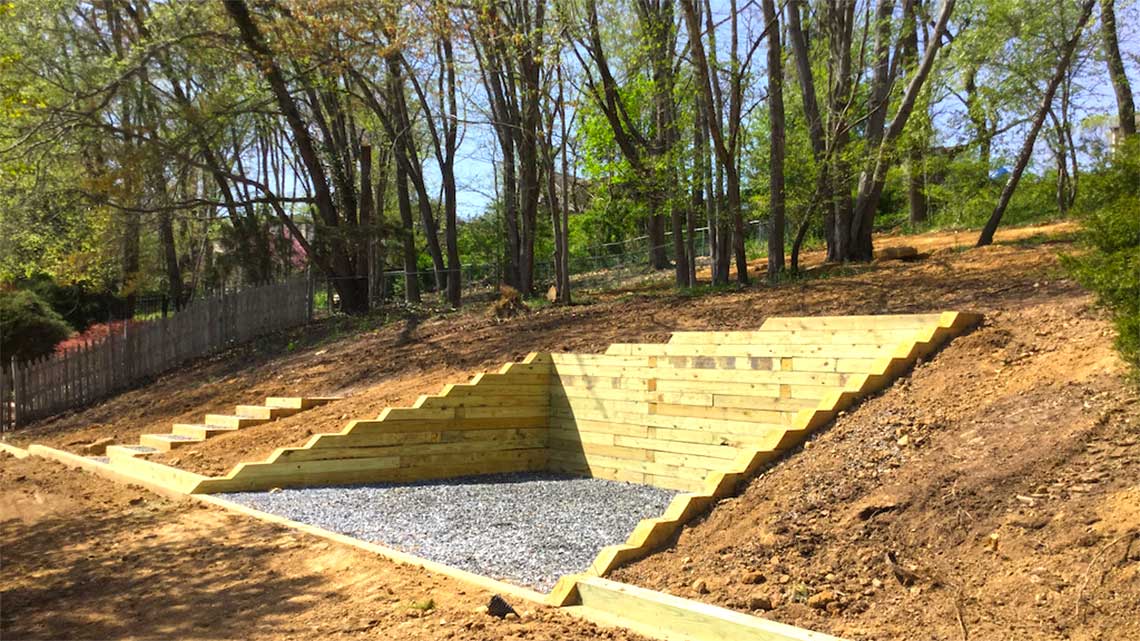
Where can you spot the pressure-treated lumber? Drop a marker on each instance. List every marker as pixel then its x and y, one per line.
pixel 917 337
pixel 671 618
pixel 183 435
pixel 497 423
pixel 12 450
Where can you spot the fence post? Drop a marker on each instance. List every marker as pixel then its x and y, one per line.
pixel 5 407
pixel 309 296
pixel 17 395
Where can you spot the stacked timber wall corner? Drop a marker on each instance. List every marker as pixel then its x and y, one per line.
pixel 671 414
pixel 686 415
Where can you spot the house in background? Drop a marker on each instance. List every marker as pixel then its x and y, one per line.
pixel 1116 135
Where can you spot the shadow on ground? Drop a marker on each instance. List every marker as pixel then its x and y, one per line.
pixel 96 577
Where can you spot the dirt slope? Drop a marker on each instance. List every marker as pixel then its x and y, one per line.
pixel 393 364
pixel 85 558
pixel 1005 474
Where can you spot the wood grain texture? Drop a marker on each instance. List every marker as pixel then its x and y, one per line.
pixel 668 617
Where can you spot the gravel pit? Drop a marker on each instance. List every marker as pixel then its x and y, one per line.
pixel 525 528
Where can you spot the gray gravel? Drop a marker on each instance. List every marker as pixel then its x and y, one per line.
pixel 527 528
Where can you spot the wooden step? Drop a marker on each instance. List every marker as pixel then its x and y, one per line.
pixel 167 442
pixel 200 431
pixel 233 421
pixel 664 616
pixel 118 452
pixel 263 411
pixel 298 402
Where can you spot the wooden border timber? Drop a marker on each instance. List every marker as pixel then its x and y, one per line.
pixel 158 485
pixel 671 618
pixel 652 614
pixel 13 450
pixel 652 534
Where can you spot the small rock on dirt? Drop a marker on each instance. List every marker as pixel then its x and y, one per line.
pixel 822 599
pixel 700 586
pixel 759 602
pixel 753 578
pixel 97 447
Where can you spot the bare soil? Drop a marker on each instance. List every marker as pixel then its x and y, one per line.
pixel 85 558
pixel 1004 476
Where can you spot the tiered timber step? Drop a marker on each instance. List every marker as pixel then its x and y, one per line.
pixel 184 434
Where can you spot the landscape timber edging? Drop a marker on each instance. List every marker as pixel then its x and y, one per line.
pixel 126 477
pixel 671 618
pixel 659 605
pixel 13 450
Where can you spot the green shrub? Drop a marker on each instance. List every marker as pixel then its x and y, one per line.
pixel 29 328
pixel 1110 266
pixel 79 306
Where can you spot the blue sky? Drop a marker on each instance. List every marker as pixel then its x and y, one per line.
pixel 475 166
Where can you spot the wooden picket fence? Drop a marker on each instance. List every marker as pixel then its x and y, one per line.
pixel 80 376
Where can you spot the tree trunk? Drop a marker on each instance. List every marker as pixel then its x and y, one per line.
pixel 871 190
pixel 130 259
pixel 376 236
pixel 915 167
pixel 1125 107
pixel 447 171
pixel 987 235
pixel 822 196
pixel 976 111
pixel 838 21
pixel 170 258
pixel 511 216
pixel 776 143
pixel 721 223
pixel 916 186
pixel 408 155
pixel 364 220
pixel 655 234
pixel 411 278
pixel 732 178
pixel 563 231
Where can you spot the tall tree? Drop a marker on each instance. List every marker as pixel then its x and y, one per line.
pixel 649 150
pixel 442 123
pixel 726 135
pixel 805 77
pixel 874 177
pixel 508 38
pixel 917 143
pixel 776 143
pixel 1067 49
pixel 1125 107
pixel 341 261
